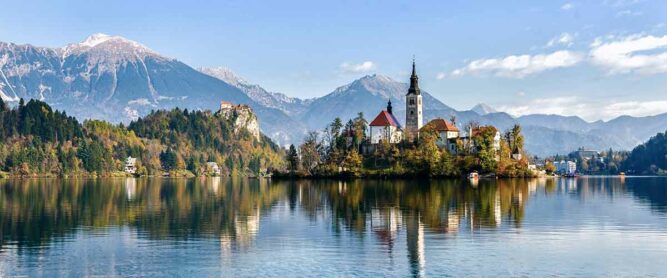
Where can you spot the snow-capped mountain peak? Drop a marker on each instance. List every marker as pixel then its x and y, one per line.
pixel 114 45
pixel 95 39
pixel 224 74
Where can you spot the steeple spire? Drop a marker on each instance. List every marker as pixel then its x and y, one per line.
pixel 414 80
pixel 389 108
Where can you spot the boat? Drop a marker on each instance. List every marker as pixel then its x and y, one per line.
pixel 473 176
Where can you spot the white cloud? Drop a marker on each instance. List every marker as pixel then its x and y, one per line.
pixel 628 13
pixel 521 93
pixel 139 101
pixel 588 110
pixel 636 53
pixel 621 3
pixel 558 105
pixel 637 108
pixel 567 6
pixel 357 68
pixel 440 75
pixel 565 39
pixel 521 65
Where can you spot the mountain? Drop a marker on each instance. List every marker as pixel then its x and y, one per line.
pixel 483 109
pixel 369 95
pixel 116 79
pixel 572 123
pixel 289 105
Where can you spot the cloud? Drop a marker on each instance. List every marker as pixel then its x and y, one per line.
pixel 628 13
pixel 139 101
pixel 567 6
pixel 589 110
pixel 637 53
pixel 565 39
pixel 357 68
pixel 521 65
pixel 440 75
pixel 621 3
pixel 521 93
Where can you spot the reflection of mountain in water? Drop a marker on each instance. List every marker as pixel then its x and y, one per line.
pixel 34 212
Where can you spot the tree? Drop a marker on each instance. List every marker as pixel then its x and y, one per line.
pixel 428 150
pixel 484 141
pixel 360 127
pixel 549 167
pixel 168 160
pixel 516 144
pixel 293 159
pixel 353 162
pixel 310 153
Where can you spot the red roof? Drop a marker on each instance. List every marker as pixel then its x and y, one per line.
pixel 385 119
pixel 441 125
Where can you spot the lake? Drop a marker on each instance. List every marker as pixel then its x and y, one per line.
pixel 585 227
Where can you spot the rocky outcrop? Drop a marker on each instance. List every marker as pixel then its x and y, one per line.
pixel 242 117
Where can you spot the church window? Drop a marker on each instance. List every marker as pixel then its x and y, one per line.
pixel 412 112
pixel 412 102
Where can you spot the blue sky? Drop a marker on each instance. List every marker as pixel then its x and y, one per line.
pixel 596 59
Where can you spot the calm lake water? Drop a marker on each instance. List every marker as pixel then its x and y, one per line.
pixel 583 227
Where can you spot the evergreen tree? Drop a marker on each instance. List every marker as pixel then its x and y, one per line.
pixel 168 160
pixel 293 159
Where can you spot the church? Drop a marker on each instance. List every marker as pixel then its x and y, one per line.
pixel 386 128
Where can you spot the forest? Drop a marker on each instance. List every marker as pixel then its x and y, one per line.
pixel 649 158
pixel 35 140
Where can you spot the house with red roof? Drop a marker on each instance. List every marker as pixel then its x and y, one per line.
pixel 447 132
pixel 386 128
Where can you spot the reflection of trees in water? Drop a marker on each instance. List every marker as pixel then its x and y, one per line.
pixel 35 211
pixel 389 208
pixel 441 205
pixel 652 191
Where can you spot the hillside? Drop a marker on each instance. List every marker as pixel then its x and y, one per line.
pixel 35 140
pixel 649 158
pixel 118 80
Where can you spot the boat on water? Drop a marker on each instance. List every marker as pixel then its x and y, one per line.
pixel 473 176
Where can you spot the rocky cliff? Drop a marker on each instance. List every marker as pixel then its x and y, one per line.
pixel 242 117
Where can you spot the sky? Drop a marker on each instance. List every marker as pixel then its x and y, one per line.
pixel 596 59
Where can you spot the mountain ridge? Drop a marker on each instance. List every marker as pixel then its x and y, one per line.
pixel 116 79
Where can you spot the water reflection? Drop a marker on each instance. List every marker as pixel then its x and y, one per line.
pixel 37 212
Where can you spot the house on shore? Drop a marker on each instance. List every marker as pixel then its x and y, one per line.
pixel 447 132
pixel 565 167
pixel 131 165
pixel 469 143
pixel 213 168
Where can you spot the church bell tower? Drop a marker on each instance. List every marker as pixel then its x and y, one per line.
pixel 413 106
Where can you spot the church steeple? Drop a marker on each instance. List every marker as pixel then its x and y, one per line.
pixel 414 81
pixel 389 108
pixel 413 106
